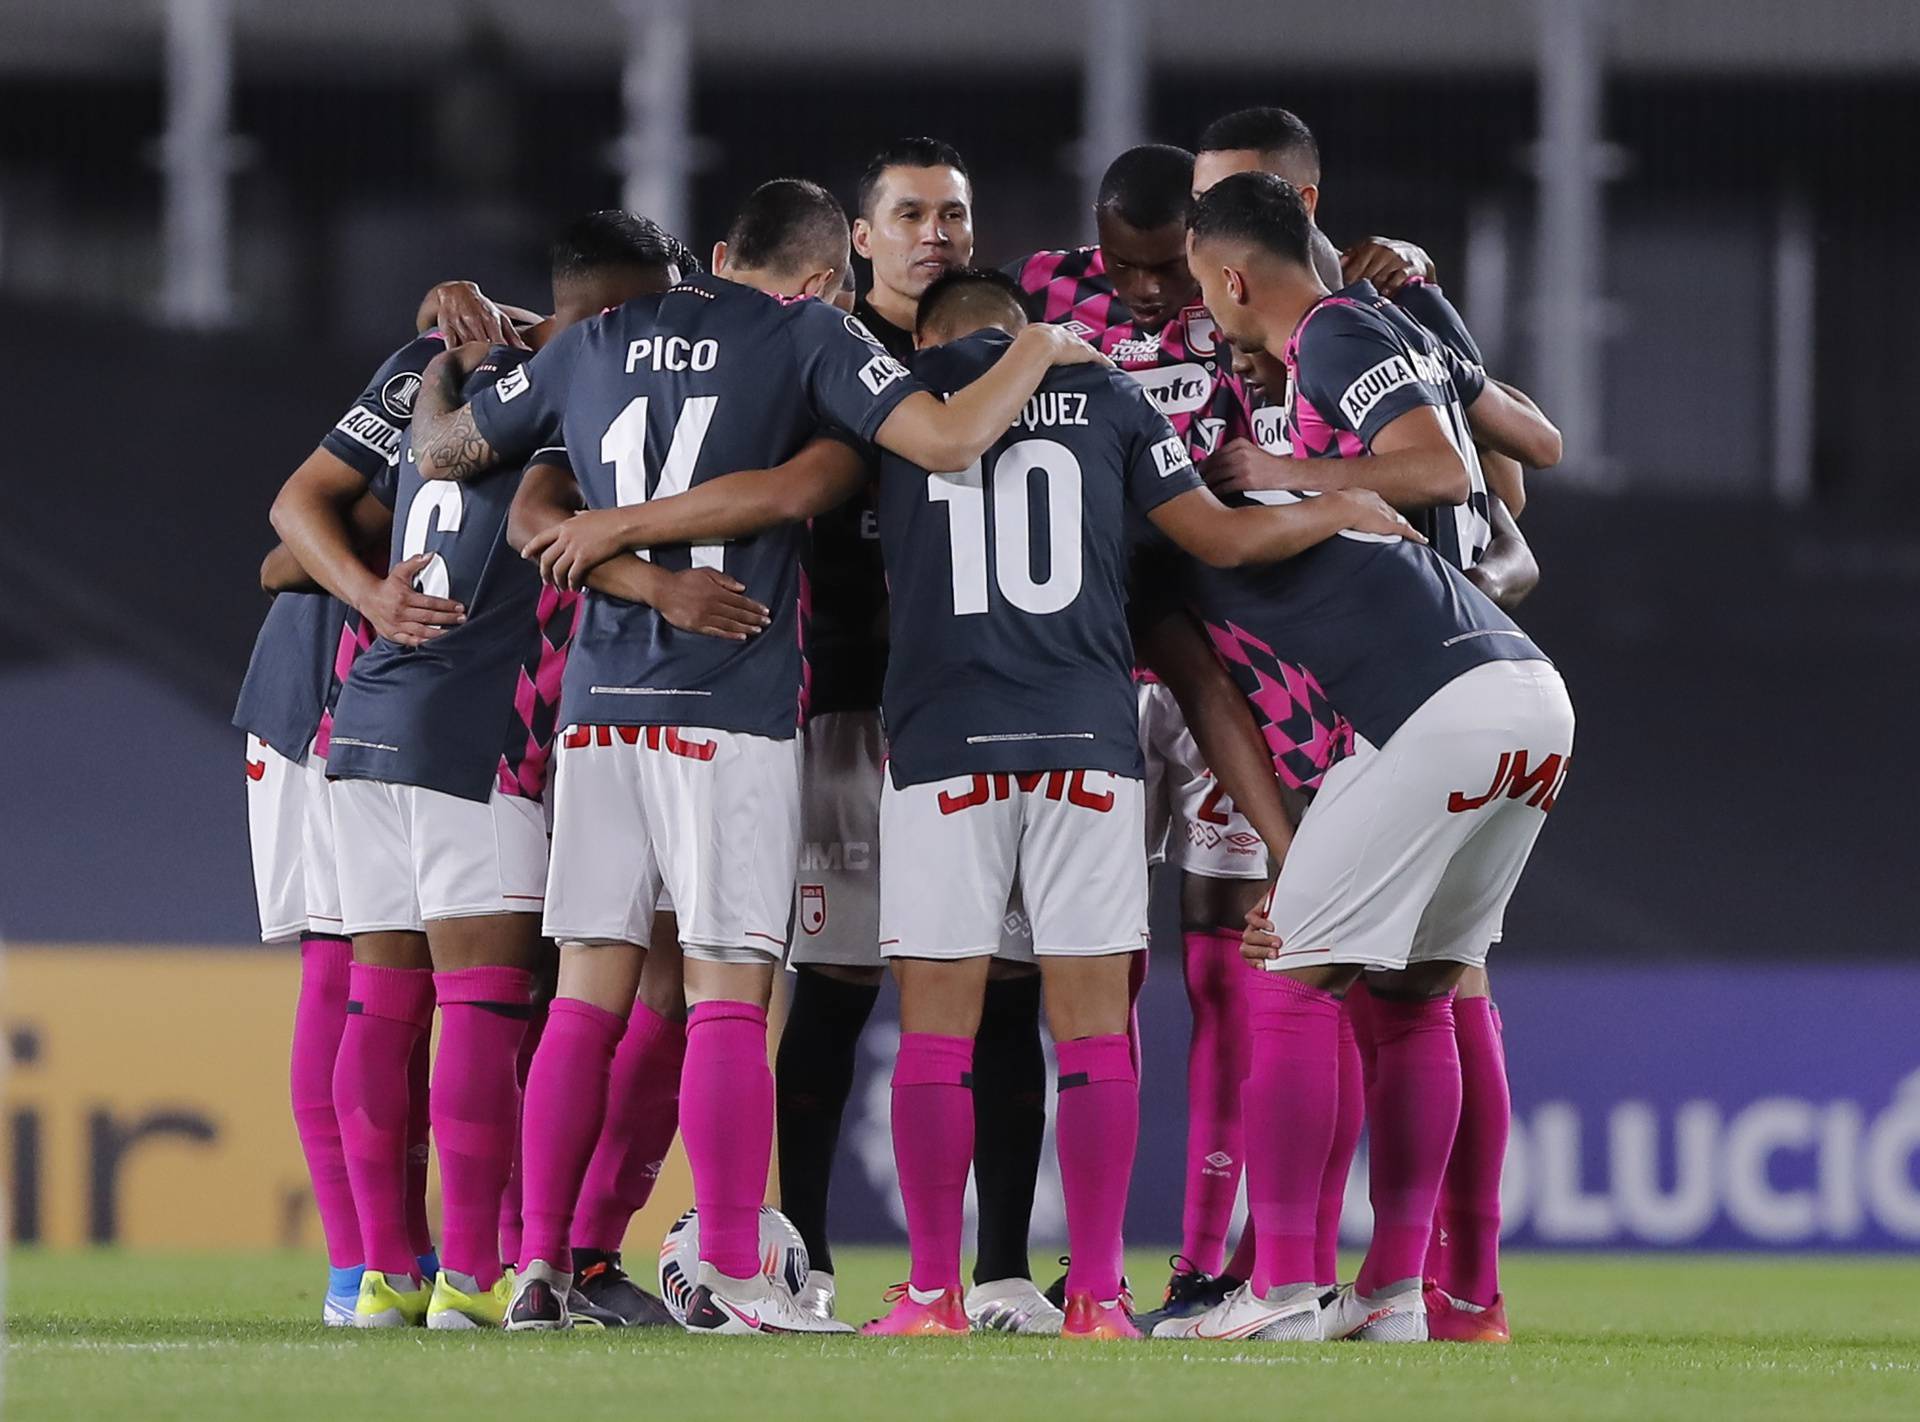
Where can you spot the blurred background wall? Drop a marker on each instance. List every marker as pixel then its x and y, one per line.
pixel 1683 224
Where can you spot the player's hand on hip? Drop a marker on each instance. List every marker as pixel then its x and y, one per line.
pixel 706 601
pixel 1240 465
pixel 403 614
pixel 1366 512
pixel 467 314
pixel 1388 264
pixel 1063 347
pixel 1259 943
pixel 569 551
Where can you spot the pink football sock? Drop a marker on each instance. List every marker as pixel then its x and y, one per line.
pixel 319 1017
pixel 643 1112
pixel 1289 1105
pixel 476 1109
pixel 1096 1130
pixel 1412 1111
pixel 726 1120
pixel 1216 1065
pixel 566 1101
pixel 1465 1253
pixel 1356 1007
pixel 510 1197
pixel 1136 982
pixel 1351 1116
pixel 419 1123
pixel 933 1150
pixel 388 1012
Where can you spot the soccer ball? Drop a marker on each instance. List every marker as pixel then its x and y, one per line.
pixel 783 1258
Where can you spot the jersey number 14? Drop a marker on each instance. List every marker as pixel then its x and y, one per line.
pixel 965 494
pixel 624 446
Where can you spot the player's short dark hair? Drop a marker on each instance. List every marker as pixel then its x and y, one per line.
pixel 788 225
pixel 1270 131
pixel 1259 208
pixel 904 153
pixel 613 238
pixel 1149 186
pixel 980 291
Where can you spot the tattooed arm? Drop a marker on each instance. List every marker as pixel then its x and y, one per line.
pixel 446 443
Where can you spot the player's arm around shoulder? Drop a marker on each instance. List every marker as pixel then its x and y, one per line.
pixel 1507 421
pixel 1507 572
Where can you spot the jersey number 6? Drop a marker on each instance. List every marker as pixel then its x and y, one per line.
pixel 965 495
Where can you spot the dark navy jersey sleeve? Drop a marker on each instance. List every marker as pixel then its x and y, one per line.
pixel 849 378
pixel 1427 304
pixel 520 412
pixel 1158 465
pixel 1356 372
pixel 367 437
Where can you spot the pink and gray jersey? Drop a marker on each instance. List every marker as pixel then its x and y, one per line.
pixel 476 708
pixel 307 644
pixel 1185 367
pixel 1355 364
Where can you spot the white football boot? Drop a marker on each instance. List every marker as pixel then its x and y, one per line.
pixel 750 1307
pixel 1012 1306
pixel 1396 1314
pixel 818 1295
pixel 1290 1314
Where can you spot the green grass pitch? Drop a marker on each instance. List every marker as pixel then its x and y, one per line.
pixel 1629 1337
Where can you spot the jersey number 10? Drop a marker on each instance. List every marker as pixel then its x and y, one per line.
pixel 965 495
pixel 624 446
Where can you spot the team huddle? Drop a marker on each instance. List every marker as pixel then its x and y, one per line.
pixel 725 620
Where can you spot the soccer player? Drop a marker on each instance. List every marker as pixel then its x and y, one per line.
pixel 679 764
pixel 1133 296
pixel 1407 859
pixel 1466 1301
pixel 1009 701
pixel 439 760
pixel 300 660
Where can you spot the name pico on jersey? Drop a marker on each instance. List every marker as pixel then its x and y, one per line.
pixel 1185 367
pixel 652 398
pixel 307 643
pixel 1010 646
pixel 476 708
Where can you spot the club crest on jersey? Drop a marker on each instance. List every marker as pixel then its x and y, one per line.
pixel 1203 337
pixel 1170 456
pixel 880 372
pixel 1175 389
pixel 398 394
pixel 813 907
pixel 1374 386
pixel 513 384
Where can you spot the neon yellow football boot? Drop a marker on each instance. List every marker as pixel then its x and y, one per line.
pixel 460 1302
pixel 383 1305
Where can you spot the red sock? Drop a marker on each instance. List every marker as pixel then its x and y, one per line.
pixel 726 1120
pixel 1289 1105
pixel 1351 1116
pixel 1096 1131
pixel 1216 1065
pixel 388 1012
pixel 933 1150
pixel 476 1109
pixel 510 1197
pixel 565 1103
pixel 1465 1253
pixel 419 1123
pixel 643 1112
pixel 319 1017
pixel 1413 1111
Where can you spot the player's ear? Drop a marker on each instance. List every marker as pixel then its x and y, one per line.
pixel 719 262
pixel 1310 195
pixel 824 284
pixel 1236 285
pixel 863 237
